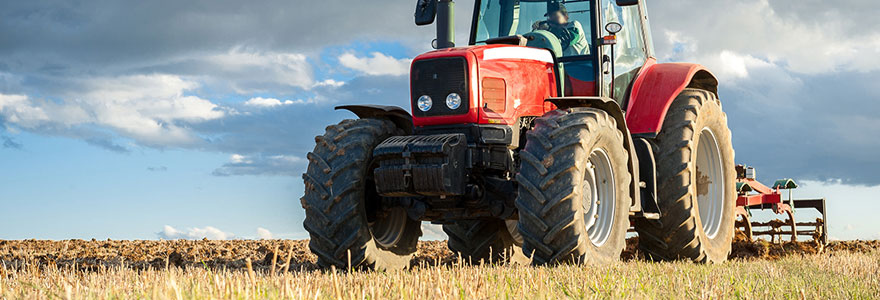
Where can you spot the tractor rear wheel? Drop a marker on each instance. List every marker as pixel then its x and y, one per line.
pixel 481 240
pixel 344 218
pixel 574 182
pixel 696 180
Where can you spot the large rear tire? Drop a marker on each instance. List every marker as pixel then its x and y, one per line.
pixel 574 182
pixel 481 240
pixel 696 176
pixel 343 217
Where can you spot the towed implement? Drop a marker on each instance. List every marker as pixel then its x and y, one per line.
pixel 752 195
pixel 550 134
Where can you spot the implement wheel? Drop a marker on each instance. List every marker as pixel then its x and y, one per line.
pixel 344 217
pixel 696 177
pixel 573 196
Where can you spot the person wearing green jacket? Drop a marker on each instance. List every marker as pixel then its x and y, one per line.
pixel 570 33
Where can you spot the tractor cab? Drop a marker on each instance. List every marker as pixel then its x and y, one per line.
pixel 588 51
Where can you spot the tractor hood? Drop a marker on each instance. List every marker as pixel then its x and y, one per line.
pixel 487 84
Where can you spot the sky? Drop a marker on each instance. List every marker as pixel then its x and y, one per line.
pixel 190 119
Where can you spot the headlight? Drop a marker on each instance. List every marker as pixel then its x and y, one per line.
pixel 425 103
pixel 453 101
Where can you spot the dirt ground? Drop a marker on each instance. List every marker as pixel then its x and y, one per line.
pixel 98 255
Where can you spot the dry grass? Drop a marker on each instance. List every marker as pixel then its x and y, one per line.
pixel 829 275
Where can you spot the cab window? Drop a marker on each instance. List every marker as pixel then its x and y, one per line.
pixel 630 52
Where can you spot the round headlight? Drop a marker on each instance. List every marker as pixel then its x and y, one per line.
pixel 425 103
pixel 453 101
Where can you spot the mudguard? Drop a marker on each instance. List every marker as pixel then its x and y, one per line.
pixel 398 115
pixel 655 89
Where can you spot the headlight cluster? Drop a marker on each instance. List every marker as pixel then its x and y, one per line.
pixel 453 101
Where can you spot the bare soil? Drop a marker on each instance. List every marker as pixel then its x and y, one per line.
pixel 101 255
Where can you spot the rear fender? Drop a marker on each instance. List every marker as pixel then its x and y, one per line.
pixel 395 114
pixel 612 108
pixel 655 89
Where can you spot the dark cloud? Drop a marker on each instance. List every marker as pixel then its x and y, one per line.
pixel 10 143
pixel 822 129
pixel 110 36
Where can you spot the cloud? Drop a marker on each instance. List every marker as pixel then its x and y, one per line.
pixel 250 71
pixel 433 232
pixel 157 169
pixel 275 165
pixel 264 234
pixel 272 102
pixel 804 41
pixel 376 64
pixel 10 143
pixel 211 233
pixel 151 109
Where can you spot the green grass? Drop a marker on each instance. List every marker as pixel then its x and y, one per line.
pixel 830 275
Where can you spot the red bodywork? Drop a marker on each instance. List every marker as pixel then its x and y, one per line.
pixel 528 82
pixel 653 92
pixel 765 195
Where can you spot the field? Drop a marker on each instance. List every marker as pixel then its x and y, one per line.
pixel 285 269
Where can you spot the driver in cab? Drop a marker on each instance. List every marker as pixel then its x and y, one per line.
pixel 570 33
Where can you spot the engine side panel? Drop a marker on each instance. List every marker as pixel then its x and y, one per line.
pixel 529 78
pixel 656 88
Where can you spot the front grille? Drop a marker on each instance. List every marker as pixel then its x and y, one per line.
pixel 437 78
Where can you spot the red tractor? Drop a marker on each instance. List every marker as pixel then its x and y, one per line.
pixel 554 131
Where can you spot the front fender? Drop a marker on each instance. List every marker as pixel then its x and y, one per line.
pixel 395 114
pixel 655 89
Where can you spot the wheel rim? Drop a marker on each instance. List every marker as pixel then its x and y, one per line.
pixel 710 183
pixel 513 229
pixel 388 230
pixel 599 197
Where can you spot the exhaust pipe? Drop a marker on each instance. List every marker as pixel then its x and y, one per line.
pixel 445 24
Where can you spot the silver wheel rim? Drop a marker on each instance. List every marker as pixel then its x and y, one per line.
pixel 710 182
pixel 388 230
pixel 599 197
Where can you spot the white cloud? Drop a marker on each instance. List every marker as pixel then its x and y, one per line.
pixel 211 233
pixel 147 108
pixel 376 64
pixel 262 165
pixel 266 102
pixel 272 102
pixel 808 42
pixel 250 71
pixel 330 83
pixel 433 232
pixel 264 234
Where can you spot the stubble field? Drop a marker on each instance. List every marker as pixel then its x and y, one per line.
pixel 286 269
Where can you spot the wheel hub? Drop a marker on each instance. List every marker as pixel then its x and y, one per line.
pixel 599 198
pixel 710 183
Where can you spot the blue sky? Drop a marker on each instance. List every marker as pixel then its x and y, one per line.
pixel 167 119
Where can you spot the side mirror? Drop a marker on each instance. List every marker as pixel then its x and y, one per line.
pixel 426 11
pixel 627 2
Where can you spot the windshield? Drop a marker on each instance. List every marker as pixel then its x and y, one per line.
pixel 570 22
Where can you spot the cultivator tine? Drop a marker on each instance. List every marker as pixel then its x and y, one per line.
pixel 817 230
pixel 820 232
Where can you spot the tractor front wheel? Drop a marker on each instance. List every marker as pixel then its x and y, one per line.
pixel 696 183
pixel 573 181
pixel 344 216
